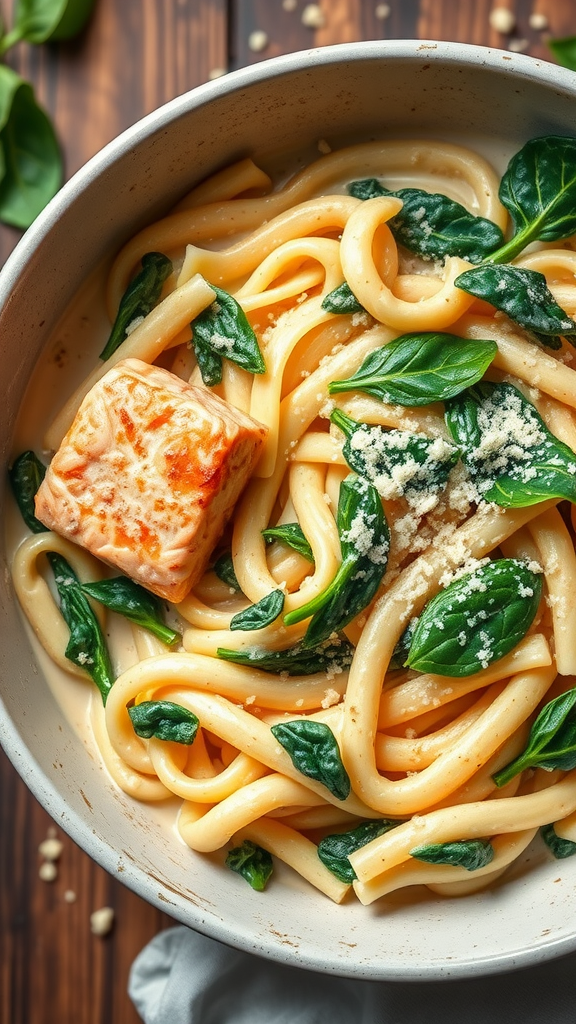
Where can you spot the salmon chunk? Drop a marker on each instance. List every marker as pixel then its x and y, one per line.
pixel 148 475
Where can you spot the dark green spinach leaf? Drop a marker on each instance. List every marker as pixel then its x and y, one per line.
pixel 417 369
pixel 127 598
pixel 43 21
pixel 224 331
pixel 332 657
pixel 252 862
pixel 564 51
pixel 26 475
pixel 261 614
pixel 314 752
pixel 561 848
pixel 512 457
pixel 164 720
pixel 335 850
pixel 139 299
pixel 551 743
pixel 464 853
pixel 342 300
pixel 365 542
pixel 522 294
pixel 292 535
pixel 476 619
pixel 224 569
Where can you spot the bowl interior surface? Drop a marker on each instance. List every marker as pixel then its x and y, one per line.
pixel 358 91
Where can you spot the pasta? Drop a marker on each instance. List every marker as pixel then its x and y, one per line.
pixel 363 662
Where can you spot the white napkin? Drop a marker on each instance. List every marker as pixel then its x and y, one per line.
pixel 182 977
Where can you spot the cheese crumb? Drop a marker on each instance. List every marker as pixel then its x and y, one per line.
pixel 323 146
pixel 312 16
pixel 48 871
pixel 250 699
pixel 330 697
pixel 502 20
pixel 257 41
pixel 101 921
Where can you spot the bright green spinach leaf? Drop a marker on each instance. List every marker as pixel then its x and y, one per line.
pixel 139 299
pixel 261 614
pixel 342 300
pixel 522 294
pixel 252 862
pixel 551 743
pixel 464 853
pixel 26 475
pixel 434 226
pixel 223 330
pixel 561 848
pixel 476 619
pixel 164 720
pixel 365 542
pixel 292 535
pixel 314 752
pixel 332 656
pixel 127 598
pixel 47 21
pixel 512 457
pixel 395 462
pixel 417 369
pixel 564 51
pixel 335 850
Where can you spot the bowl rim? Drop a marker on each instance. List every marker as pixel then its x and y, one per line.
pixel 98 849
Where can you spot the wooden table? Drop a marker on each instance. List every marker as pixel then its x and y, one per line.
pixel 134 56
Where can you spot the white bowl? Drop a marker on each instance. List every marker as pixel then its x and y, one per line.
pixel 353 91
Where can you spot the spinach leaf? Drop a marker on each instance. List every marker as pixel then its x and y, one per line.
pixel 164 720
pixel 551 743
pixel 434 226
pixel 464 853
pixel 43 21
pixel 342 300
pixel 261 614
pixel 365 542
pixel 512 457
pixel 417 369
pixel 334 850
pixel 314 752
pixel 332 657
pixel 224 569
pixel 561 848
pixel 31 162
pixel 26 475
pixel 292 535
pixel 539 191
pixel 223 330
pixel 139 299
pixel 252 862
pixel 394 461
pixel 402 648
pixel 564 51
pixel 476 619
pixel 127 598
pixel 522 294
pixel 86 647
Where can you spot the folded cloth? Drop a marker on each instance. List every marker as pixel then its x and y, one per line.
pixel 182 977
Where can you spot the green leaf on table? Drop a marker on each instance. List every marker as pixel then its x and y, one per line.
pixel 26 475
pixel 252 862
pixel 463 853
pixel 417 369
pixel 139 299
pixel 334 850
pixel 224 569
pixel 395 462
pixel 564 51
pixel 164 720
pixel 32 162
pixel 434 226
pixel 43 21
pixel 342 300
pixel 261 614
pixel 125 597
pixel 86 646
pixel 560 848
pixel 292 535
pixel 511 456
pixel 314 751
pixel 332 657
pixel 551 743
pixel 223 331
pixel 522 294
pixel 476 619
pixel 365 543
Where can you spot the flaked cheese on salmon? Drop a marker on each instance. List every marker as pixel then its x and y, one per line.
pixel 148 475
